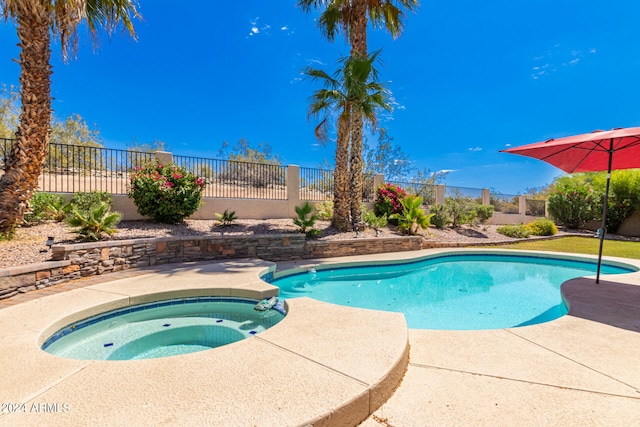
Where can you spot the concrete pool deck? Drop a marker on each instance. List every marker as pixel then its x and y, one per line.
pixel 331 365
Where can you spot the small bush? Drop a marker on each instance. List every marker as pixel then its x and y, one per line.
pixel 483 213
pixel 542 227
pixel 85 202
pixel 462 210
pixel 306 220
pixel 412 216
pixel 517 231
pixel 324 210
pixel 573 204
pixel 166 193
pixel 45 206
pixel 226 218
pixel 388 200
pixel 373 221
pixel 441 217
pixel 93 225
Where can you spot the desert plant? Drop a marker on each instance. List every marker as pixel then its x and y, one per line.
pixel 573 204
pixel 517 231
pixel 226 218
pixel 388 198
pixel 44 206
pixel 441 217
pixel 305 220
pixel 483 213
pixel 462 210
pixel 324 210
pixel 376 222
pixel 85 202
pixel 412 216
pixel 94 224
pixel 542 227
pixel 166 193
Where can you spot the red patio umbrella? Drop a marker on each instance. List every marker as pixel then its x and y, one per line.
pixel 590 152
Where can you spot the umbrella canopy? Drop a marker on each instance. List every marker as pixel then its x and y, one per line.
pixel 590 152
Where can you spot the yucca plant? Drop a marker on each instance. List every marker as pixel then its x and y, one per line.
pixel 306 220
pixel 412 216
pixel 226 218
pixel 94 224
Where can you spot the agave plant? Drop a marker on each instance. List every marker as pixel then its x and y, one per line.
pixel 412 216
pixel 92 225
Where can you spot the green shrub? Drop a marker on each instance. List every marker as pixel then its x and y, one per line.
pixel 441 217
pixel 483 213
pixel 305 220
pixel 388 200
pixel 573 204
pixel 376 222
pixel 461 210
pixel 412 216
pixel 93 225
pixel 166 193
pixel 45 206
pixel 226 218
pixel 542 227
pixel 324 210
pixel 85 202
pixel 517 231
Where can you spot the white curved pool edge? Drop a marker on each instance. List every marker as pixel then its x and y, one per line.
pixel 342 383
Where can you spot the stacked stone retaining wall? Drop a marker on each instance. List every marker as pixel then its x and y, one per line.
pixel 73 261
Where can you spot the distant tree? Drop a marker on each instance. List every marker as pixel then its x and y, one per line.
pixel 248 166
pixel 242 151
pixel 74 132
pixel 146 147
pixel 386 158
pixel 37 21
pixel 9 111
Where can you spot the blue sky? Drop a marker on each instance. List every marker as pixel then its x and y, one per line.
pixel 469 79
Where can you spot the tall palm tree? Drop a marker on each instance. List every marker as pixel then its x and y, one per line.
pixel 37 21
pixel 351 17
pixel 353 90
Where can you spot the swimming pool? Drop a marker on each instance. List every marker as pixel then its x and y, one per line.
pixel 452 291
pixel 163 328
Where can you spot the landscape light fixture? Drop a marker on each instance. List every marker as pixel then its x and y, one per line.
pixel 49 242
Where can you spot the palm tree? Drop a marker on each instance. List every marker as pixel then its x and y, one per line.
pixel 37 21
pixel 353 90
pixel 351 17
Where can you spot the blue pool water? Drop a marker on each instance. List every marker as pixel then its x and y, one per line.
pixel 161 329
pixel 467 291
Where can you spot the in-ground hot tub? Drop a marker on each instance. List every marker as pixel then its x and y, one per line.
pixel 162 328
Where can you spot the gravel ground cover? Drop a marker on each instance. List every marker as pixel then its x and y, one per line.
pixel 29 247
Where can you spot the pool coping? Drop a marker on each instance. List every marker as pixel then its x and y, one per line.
pixel 286 366
pixel 355 346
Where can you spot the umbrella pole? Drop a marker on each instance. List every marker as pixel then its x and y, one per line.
pixel 604 211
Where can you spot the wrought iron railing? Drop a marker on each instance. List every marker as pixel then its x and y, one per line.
pixel 316 184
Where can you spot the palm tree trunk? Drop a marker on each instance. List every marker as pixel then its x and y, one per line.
pixel 358 39
pixel 24 164
pixel 341 176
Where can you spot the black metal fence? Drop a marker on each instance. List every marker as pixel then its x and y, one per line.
pixel 316 184
pixel 426 191
pixel 505 203
pixel 239 180
pixel 70 168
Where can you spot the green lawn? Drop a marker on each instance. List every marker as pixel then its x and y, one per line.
pixel 581 245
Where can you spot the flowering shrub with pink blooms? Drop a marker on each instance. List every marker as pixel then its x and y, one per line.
pixel 388 200
pixel 166 193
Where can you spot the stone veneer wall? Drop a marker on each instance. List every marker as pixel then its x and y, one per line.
pixel 78 260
